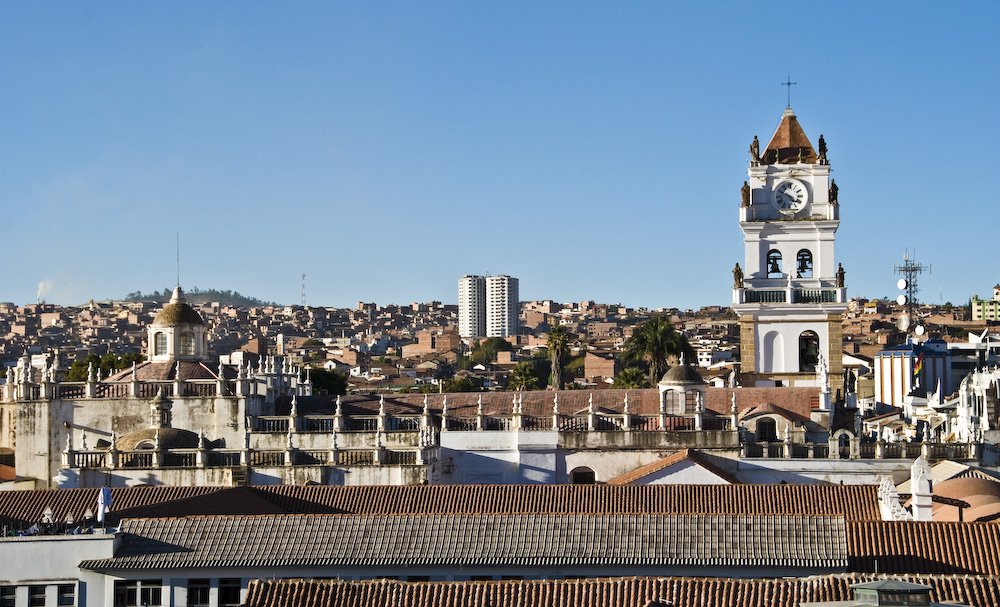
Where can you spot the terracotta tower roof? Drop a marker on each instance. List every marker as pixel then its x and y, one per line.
pixel 789 143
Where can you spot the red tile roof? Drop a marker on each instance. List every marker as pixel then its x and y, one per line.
pixel 799 401
pixel 663 463
pixel 620 592
pixel 855 502
pixel 926 547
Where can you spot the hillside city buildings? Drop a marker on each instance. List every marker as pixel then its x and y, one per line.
pixel 813 454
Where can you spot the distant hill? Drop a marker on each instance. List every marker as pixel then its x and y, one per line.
pixel 201 296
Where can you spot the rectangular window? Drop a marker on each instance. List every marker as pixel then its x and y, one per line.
pixel 7 594
pixel 229 592
pixel 138 593
pixel 198 592
pixel 36 596
pixel 67 594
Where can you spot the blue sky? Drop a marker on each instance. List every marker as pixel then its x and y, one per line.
pixel 595 150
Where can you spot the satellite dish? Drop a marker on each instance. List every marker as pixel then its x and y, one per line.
pixel 919 330
pixel 901 283
pixel 901 300
pixel 903 322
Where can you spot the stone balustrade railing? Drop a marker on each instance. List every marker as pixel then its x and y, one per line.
pixel 854 449
pixel 212 458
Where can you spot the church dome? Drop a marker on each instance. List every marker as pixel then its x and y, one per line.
pixel 169 438
pixel 682 374
pixel 177 312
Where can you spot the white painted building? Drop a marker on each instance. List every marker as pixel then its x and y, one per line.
pixel 502 306
pixel 789 294
pixel 472 306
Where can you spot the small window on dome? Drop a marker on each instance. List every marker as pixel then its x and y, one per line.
pixel 159 344
pixel 186 344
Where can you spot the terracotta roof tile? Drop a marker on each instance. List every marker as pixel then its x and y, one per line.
pixel 855 502
pixel 978 591
pixel 665 462
pixel 646 401
pixel 22 509
pixel 924 547
pixel 788 141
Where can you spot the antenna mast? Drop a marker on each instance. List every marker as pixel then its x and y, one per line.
pixel 178 260
pixel 303 289
pixel 910 270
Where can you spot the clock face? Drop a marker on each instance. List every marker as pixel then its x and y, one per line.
pixel 790 196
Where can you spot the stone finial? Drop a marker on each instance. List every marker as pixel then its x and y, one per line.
pixel 444 405
pixel 133 370
pixel 333 441
pixel 590 403
pixel 156 439
pixel 201 439
pixel 295 406
pixel 339 410
pixel 240 374
pixel 555 404
pixel 479 405
pixel 625 405
pixel 381 405
pixel 91 377
pixel 10 376
pixel 222 370
pixel 378 440
pixel 732 403
pixel 69 441
pixel 83 440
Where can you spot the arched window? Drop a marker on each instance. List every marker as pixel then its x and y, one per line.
pixel 186 344
pixel 159 344
pixel 808 352
pixel 582 476
pixel 804 264
pixel 774 264
pixel 767 430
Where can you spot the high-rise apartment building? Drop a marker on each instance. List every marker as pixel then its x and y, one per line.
pixel 502 306
pixel 488 306
pixel 472 306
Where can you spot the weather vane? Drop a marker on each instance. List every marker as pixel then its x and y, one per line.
pixel 788 82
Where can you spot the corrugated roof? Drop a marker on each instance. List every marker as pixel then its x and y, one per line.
pixel 855 502
pixel 457 540
pixel 621 592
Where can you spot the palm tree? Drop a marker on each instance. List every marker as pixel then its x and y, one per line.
pixel 631 377
pixel 522 377
pixel 557 345
pixel 654 341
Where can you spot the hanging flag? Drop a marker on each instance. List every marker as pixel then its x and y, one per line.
pixel 918 368
pixel 104 503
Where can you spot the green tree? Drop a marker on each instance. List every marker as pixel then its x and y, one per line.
pixel 485 351
pixel 631 377
pixel 654 341
pixel 330 382
pixel 103 365
pixel 459 384
pixel 557 345
pixel 522 377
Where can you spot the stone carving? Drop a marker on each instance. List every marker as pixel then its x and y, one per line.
pixel 840 275
pixel 834 189
pixel 822 150
pixel 745 195
pixel 737 277
pixel 755 151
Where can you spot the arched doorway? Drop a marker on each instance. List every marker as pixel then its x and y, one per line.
pixel 582 475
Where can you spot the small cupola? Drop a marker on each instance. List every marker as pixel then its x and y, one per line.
pixel 177 332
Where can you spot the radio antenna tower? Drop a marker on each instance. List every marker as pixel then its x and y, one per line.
pixel 910 271
pixel 303 290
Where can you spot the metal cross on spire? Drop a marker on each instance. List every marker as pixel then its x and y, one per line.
pixel 788 82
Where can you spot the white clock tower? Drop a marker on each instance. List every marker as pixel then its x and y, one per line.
pixel 789 294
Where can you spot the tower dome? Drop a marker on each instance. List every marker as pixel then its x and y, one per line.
pixel 177 332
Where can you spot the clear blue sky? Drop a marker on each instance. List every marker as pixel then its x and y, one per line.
pixel 595 150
